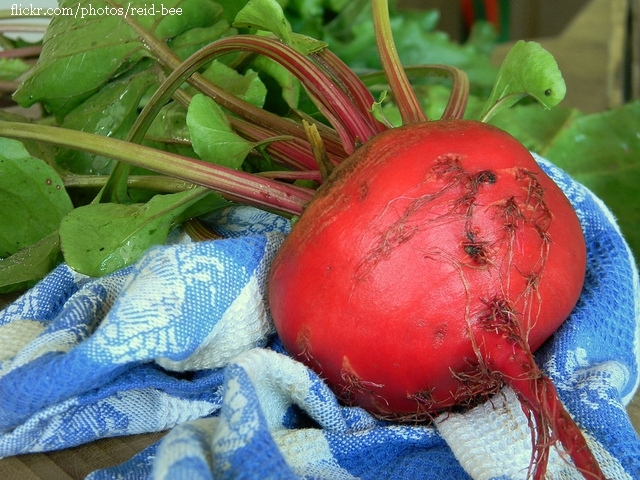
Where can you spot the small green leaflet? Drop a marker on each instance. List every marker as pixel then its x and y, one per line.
pixel 527 70
pixel 211 134
pixel 264 15
pixel 267 15
pixel 101 238
pixel 247 86
pixel 32 198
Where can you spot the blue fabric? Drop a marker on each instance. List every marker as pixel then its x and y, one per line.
pixel 182 341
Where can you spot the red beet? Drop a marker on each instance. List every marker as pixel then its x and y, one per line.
pixel 428 267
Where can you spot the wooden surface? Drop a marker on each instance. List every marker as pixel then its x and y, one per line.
pixel 75 463
pixel 589 55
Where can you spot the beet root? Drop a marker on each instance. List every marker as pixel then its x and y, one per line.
pixel 428 267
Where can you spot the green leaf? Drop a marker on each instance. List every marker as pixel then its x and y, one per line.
pixel 377 109
pixel 12 68
pixel 80 54
pixel 527 70
pixel 170 125
pixel 232 7
pixel 32 198
pixel 247 86
pixel 602 151
pixel 211 134
pixel 290 86
pixel 110 112
pixel 268 16
pixel 417 42
pixel 535 127
pixel 192 40
pixel 100 238
pixel 25 267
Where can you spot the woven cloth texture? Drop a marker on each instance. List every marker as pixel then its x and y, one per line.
pixel 182 341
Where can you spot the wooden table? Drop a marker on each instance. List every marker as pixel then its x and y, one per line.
pixel 588 52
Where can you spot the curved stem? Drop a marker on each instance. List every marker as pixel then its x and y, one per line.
pixel 293 153
pixel 227 100
pixel 457 103
pixel 504 102
pixel 410 108
pixel 347 119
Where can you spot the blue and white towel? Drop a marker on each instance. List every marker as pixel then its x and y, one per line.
pixel 183 341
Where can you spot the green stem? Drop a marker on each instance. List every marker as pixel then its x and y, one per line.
pixel 245 187
pixel 408 104
pixel 504 102
pixel 156 183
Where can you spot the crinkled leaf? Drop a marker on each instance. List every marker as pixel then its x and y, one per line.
pixel 32 198
pixel 25 267
pixel 100 238
pixel 110 112
pixel 264 15
pixel 527 70
pixel 80 55
pixel 211 134
pixel 267 15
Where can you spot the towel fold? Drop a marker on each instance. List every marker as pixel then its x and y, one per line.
pixel 182 341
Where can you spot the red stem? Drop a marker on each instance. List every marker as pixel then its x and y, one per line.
pixel 350 84
pixel 457 103
pixel 22 52
pixel 334 104
pixel 235 105
pixel 306 175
